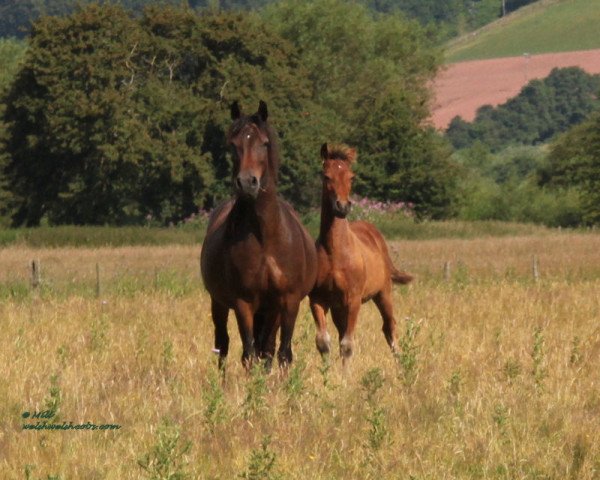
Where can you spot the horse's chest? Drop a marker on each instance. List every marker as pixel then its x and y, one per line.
pixel 257 270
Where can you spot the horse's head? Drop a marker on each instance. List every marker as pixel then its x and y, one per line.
pixel 255 163
pixel 337 177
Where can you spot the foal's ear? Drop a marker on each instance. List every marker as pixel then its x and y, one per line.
pixel 263 113
pixel 324 151
pixel 235 110
pixel 351 154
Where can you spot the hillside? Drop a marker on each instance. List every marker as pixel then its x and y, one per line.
pixel 548 26
pixel 464 87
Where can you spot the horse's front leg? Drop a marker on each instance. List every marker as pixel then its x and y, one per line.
pixel 350 312
pixel 244 313
pixel 219 316
pixel 319 313
pixel 266 345
pixel 289 312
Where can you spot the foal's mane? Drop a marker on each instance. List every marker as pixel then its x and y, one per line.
pixel 263 125
pixel 341 152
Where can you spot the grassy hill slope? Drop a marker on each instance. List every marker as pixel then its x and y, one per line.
pixel 543 27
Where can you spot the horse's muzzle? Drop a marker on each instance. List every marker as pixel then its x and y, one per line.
pixel 247 184
pixel 341 209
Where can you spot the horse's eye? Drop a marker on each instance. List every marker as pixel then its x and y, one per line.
pixel 326 177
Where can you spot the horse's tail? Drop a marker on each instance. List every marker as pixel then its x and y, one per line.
pixel 401 277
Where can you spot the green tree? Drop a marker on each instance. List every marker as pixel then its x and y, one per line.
pixel 113 118
pixel 542 109
pixel 370 73
pixel 574 161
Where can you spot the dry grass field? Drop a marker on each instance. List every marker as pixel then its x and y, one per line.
pixel 497 377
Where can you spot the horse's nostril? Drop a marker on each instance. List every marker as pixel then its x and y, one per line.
pixel 238 183
pixel 254 181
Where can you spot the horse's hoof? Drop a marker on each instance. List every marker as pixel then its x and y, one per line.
pixel 346 348
pixel 323 343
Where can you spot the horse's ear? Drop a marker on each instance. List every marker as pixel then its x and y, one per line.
pixel 324 151
pixel 351 154
pixel 235 111
pixel 262 111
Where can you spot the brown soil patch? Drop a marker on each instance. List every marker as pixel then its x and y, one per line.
pixel 464 87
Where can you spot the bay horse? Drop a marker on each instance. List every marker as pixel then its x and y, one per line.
pixel 257 258
pixel 354 264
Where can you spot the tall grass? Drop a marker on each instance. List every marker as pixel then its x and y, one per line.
pixel 391 224
pixel 98 236
pixel 501 370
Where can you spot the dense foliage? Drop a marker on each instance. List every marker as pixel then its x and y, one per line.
pixel 11 52
pixel 117 119
pixel 574 162
pixel 506 186
pixel 370 74
pixel 542 109
pixel 450 17
pixel 113 119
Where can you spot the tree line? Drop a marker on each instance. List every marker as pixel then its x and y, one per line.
pixel 448 17
pixel 534 158
pixel 113 118
pixel 542 109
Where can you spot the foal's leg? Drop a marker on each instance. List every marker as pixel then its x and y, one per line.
pixel 319 313
pixel 219 314
pixel 383 300
pixel 244 313
pixel 289 312
pixel 346 317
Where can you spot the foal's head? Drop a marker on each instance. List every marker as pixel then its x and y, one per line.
pixel 255 162
pixel 337 177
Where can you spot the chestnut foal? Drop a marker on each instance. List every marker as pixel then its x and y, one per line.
pixel 354 263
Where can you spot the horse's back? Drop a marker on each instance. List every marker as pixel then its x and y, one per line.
pixel 374 252
pixel 211 255
pixel 370 238
pixel 218 216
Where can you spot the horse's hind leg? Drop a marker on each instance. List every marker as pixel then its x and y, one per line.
pixel 219 316
pixel 383 300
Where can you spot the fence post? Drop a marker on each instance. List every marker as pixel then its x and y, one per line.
pixel 98 284
pixel 36 274
pixel 447 271
pixel 535 268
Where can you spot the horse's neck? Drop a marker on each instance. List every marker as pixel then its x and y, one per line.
pixel 268 213
pixel 335 233
pixel 262 215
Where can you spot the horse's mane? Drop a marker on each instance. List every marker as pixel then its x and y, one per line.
pixel 341 152
pixel 240 123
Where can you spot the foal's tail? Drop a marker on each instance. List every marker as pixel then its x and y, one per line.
pixel 401 277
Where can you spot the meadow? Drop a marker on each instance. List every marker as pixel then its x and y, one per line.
pixel 496 377
pixel 547 26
